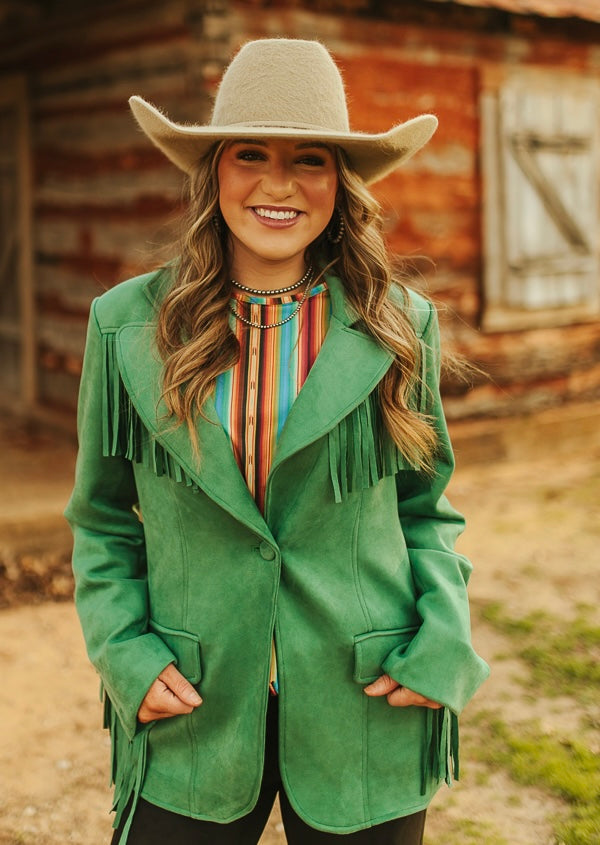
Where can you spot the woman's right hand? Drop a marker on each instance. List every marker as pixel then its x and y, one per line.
pixel 169 695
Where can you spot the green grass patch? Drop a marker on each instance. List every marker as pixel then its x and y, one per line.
pixel 563 655
pixel 566 768
pixel 563 767
pixel 581 828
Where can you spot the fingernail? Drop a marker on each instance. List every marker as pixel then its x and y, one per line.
pixel 194 698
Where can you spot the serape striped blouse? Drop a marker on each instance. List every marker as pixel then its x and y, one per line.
pixel 254 397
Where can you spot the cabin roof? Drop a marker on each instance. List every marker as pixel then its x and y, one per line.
pixel 587 9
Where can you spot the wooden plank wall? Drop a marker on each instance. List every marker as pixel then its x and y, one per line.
pixel 402 59
pixel 104 199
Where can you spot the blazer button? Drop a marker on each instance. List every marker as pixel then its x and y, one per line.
pixel 267 552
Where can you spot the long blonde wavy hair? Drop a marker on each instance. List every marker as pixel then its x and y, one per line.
pixel 197 344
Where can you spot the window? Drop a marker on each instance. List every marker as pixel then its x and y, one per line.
pixel 541 179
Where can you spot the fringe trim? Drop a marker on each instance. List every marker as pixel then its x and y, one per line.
pixel 440 748
pixel 361 452
pixel 128 759
pixel 123 433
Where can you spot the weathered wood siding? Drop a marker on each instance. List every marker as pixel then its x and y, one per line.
pixel 402 59
pixel 104 199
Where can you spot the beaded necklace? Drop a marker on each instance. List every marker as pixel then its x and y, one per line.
pixel 307 277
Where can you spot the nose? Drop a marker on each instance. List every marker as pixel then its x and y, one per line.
pixel 279 181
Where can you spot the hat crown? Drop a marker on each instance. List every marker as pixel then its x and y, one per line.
pixel 282 82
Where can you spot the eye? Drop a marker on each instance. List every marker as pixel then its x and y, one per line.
pixel 312 160
pixel 249 155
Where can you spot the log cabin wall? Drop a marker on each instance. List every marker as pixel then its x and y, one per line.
pixel 103 201
pixel 451 205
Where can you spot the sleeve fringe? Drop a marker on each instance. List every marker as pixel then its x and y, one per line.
pixel 440 748
pixel 128 760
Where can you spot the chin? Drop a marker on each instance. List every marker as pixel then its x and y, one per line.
pixel 275 255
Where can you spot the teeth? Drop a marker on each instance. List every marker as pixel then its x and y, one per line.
pixel 276 215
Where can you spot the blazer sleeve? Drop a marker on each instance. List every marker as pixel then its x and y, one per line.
pixel 109 561
pixel 440 662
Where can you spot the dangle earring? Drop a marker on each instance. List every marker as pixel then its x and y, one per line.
pixel 217 222
pixel 333 233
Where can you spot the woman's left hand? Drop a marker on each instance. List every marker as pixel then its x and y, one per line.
pixel 399 696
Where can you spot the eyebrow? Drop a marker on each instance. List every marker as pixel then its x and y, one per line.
pixel 301 146
pixel 249 141
pixel 311 144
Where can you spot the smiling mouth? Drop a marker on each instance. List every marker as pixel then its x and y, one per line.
pixel 275 213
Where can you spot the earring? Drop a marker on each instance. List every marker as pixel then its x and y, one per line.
pixel 334 233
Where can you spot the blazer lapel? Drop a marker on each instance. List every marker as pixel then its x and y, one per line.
pixel 216 472
pixel 348 367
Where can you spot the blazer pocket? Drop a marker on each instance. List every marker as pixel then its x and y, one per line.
pixel 185 647
pixel 372 648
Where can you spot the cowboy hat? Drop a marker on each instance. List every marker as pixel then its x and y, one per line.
pixel 284 88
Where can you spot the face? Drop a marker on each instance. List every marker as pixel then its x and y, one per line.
pixel 276 197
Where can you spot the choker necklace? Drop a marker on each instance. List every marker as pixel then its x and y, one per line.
pixel 259 292
pixel 308 277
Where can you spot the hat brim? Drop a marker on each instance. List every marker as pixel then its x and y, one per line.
pixel 372 156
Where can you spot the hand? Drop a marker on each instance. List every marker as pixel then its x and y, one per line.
pixel 169 695
pixel 397 695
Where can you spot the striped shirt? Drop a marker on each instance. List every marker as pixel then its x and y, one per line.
pixel 254 397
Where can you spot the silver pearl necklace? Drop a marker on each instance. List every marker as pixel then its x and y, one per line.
pixel 238 316
pixel 259 292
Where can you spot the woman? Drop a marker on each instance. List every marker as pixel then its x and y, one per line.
pixel 263 555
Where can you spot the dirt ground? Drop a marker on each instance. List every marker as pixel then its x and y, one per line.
pixel 533 535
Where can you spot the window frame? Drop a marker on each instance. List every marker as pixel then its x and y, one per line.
pixel 497 313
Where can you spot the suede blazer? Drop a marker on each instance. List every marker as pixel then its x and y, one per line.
pixel 351 569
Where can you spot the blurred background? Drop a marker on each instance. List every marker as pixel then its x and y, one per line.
pixel 497 220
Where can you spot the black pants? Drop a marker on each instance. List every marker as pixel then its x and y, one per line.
pixel 155 826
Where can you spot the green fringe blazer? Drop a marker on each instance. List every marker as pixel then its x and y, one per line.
pixel 351 569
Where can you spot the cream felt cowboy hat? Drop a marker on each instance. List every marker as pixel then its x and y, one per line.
pixel 284 88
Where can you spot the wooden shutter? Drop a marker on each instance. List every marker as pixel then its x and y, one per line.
pixel 541 174
pixel 17 364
